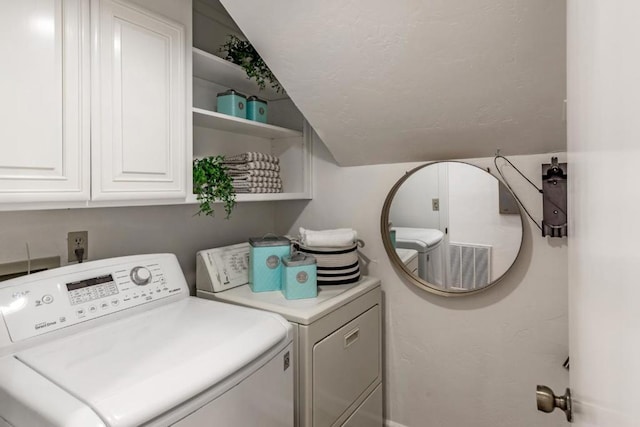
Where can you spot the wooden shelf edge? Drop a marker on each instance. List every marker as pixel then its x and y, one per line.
pixel 270 197
pixel 215 120
pixel 261 197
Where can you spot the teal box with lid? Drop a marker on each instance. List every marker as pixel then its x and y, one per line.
pixel 299 276
pixel 232 103
pixel 256 109
pixel 265 265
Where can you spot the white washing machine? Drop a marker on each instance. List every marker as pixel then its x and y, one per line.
pixel 428 243
pixel 120 342
pixel 337 339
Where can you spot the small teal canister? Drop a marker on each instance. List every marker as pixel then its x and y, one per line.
pixel 265 266
pixel 232 103
pixel 299 276
pixel 256 109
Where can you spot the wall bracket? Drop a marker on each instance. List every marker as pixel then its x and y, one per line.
pixel 554 199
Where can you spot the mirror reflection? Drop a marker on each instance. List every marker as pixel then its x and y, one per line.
pixel 454 226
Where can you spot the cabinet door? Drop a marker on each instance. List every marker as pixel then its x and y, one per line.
pixel 138 105
pixel 44 136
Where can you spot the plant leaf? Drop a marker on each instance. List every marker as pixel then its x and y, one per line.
pixel 212 182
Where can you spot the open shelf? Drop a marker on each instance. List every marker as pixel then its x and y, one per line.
pixel 220 134
pixel 224 122
pixel 260 197
pixel 217 70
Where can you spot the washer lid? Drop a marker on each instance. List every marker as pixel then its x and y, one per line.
pixel 132 370
pixel 424 237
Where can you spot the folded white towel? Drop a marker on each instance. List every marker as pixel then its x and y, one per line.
pixel 336 238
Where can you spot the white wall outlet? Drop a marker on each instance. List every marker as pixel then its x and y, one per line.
pixel 77 240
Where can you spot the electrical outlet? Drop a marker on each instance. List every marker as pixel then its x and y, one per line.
pixel 77 240
pixel 435 204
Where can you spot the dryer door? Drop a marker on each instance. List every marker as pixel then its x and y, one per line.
pixel 345 364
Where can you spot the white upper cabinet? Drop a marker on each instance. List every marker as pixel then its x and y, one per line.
pixel 138 104
pixel 44 81
pixel 95 108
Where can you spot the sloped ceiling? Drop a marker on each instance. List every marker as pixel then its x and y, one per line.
pixel 392 81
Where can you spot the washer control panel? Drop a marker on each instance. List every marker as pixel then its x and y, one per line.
pixel 42 306
pixel 91 289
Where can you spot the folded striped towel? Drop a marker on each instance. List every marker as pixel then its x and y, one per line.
pixel 258 179
pixel 253 173
pixel 253 165
pixel 251 156
pixel 258 190
pixel 257 184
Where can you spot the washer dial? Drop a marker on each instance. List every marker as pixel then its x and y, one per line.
pixel 140 275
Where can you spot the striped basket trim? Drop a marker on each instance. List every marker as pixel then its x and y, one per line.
pixel 337 273
pixel 337 281
pixel 327 251
pixel 335 266
pixel 346 267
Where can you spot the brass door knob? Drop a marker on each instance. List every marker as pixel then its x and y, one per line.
pixel 547 401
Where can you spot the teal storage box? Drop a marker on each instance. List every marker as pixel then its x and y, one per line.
pixel 256 109
pixel 265 266
pixel 232 103
pixel 299 276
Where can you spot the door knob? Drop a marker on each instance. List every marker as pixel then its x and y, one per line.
pixel 547 401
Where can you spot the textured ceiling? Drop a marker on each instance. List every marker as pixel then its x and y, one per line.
pixel 385 82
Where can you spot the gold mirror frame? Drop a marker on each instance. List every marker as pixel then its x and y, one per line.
pixel 402 269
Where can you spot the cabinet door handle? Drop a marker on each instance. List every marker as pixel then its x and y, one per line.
pixel 351 337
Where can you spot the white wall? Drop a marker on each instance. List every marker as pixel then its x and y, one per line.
pixel 470 361
pixel 126 231
pixel 213 26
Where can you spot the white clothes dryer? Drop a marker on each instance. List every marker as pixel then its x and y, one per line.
pixel 120 343
pixel 337 339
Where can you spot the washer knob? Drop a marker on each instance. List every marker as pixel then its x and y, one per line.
pixel 140 275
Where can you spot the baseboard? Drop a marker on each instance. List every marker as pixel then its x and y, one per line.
pixel 389 423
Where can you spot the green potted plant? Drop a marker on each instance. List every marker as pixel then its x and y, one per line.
pixel 242 53
pixel 211 183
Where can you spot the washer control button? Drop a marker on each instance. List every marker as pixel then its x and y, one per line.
pixel 115 302
pixel 47 299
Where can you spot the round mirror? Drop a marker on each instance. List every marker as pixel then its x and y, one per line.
pixel 451 228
